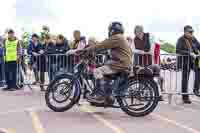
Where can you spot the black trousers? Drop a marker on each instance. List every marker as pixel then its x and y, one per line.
pixel 185 80
pixel 197 79
pixel 1 72
pixel 11 74
pixel 39 76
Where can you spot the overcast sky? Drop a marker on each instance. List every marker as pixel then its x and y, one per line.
pixel 163 18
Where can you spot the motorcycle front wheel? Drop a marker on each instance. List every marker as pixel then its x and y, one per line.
pixel 62 94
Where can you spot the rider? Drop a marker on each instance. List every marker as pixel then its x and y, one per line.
pixel 121 56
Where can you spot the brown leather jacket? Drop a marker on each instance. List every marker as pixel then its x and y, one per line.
pixel 121 53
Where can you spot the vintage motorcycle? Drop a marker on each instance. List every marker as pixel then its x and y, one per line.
pixel 137 94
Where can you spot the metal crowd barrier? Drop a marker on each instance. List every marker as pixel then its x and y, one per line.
pixel 41 69
pixel 2 72
pixel 171 72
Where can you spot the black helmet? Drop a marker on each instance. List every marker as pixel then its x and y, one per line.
pixel 115 28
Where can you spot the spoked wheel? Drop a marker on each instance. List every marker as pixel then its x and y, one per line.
pixel 62 94
pixel 140 99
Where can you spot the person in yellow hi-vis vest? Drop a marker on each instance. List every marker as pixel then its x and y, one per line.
pixel 12 49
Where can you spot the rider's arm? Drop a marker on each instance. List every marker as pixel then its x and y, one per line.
pixel 109 43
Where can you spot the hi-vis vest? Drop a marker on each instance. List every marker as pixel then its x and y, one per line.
pixel 11 50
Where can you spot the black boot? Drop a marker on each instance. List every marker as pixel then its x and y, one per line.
pixel 109 99
pixel 96 99
pixel 97 95
pixel 42 88
pixel 186 99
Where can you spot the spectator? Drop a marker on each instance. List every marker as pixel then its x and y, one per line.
pixel 79 41
pixel 145 42
pixel 78 44
pixel 45 30
pixel 156 52
pixel 42 62
pixel 54 39
pixel 62 47
pixel 77 37
pixel 1 65
pixel 12 55
pixel 34 50
pixel 186 45
pixel 50 52
pixel 142 43
pixel 52 58
pixel 57 61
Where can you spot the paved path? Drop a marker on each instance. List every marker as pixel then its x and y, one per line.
pixel 27 113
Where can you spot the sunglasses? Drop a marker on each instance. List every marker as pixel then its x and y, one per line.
pixel 191 32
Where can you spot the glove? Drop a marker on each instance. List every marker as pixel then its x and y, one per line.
pixel 35 54
pixel 70 52
pixel 193 55
pixel 41 51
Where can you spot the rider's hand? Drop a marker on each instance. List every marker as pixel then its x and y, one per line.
pixel 70 52
pixel 35 54
pixel 82 51
pixel 193 55
pixel 142 52
pixel 41 52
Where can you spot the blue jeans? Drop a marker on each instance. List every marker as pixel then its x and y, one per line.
pixel 11 74
pixel 136 59
pixel 52 71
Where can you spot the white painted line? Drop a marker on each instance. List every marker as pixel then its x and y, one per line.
pixel 113 127
pixel 173 122
pixel 36 123
pixel 2 130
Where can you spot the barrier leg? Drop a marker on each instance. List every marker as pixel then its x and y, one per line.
pixel 169 98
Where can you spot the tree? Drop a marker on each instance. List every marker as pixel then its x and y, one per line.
pixel 168 47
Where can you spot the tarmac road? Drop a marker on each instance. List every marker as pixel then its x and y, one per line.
pixel 26 112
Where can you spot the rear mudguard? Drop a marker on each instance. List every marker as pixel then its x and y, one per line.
pixel 149 78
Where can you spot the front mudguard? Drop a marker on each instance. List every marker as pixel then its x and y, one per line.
pixel 76 84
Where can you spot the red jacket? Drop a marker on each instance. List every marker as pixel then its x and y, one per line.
pixel 157 54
